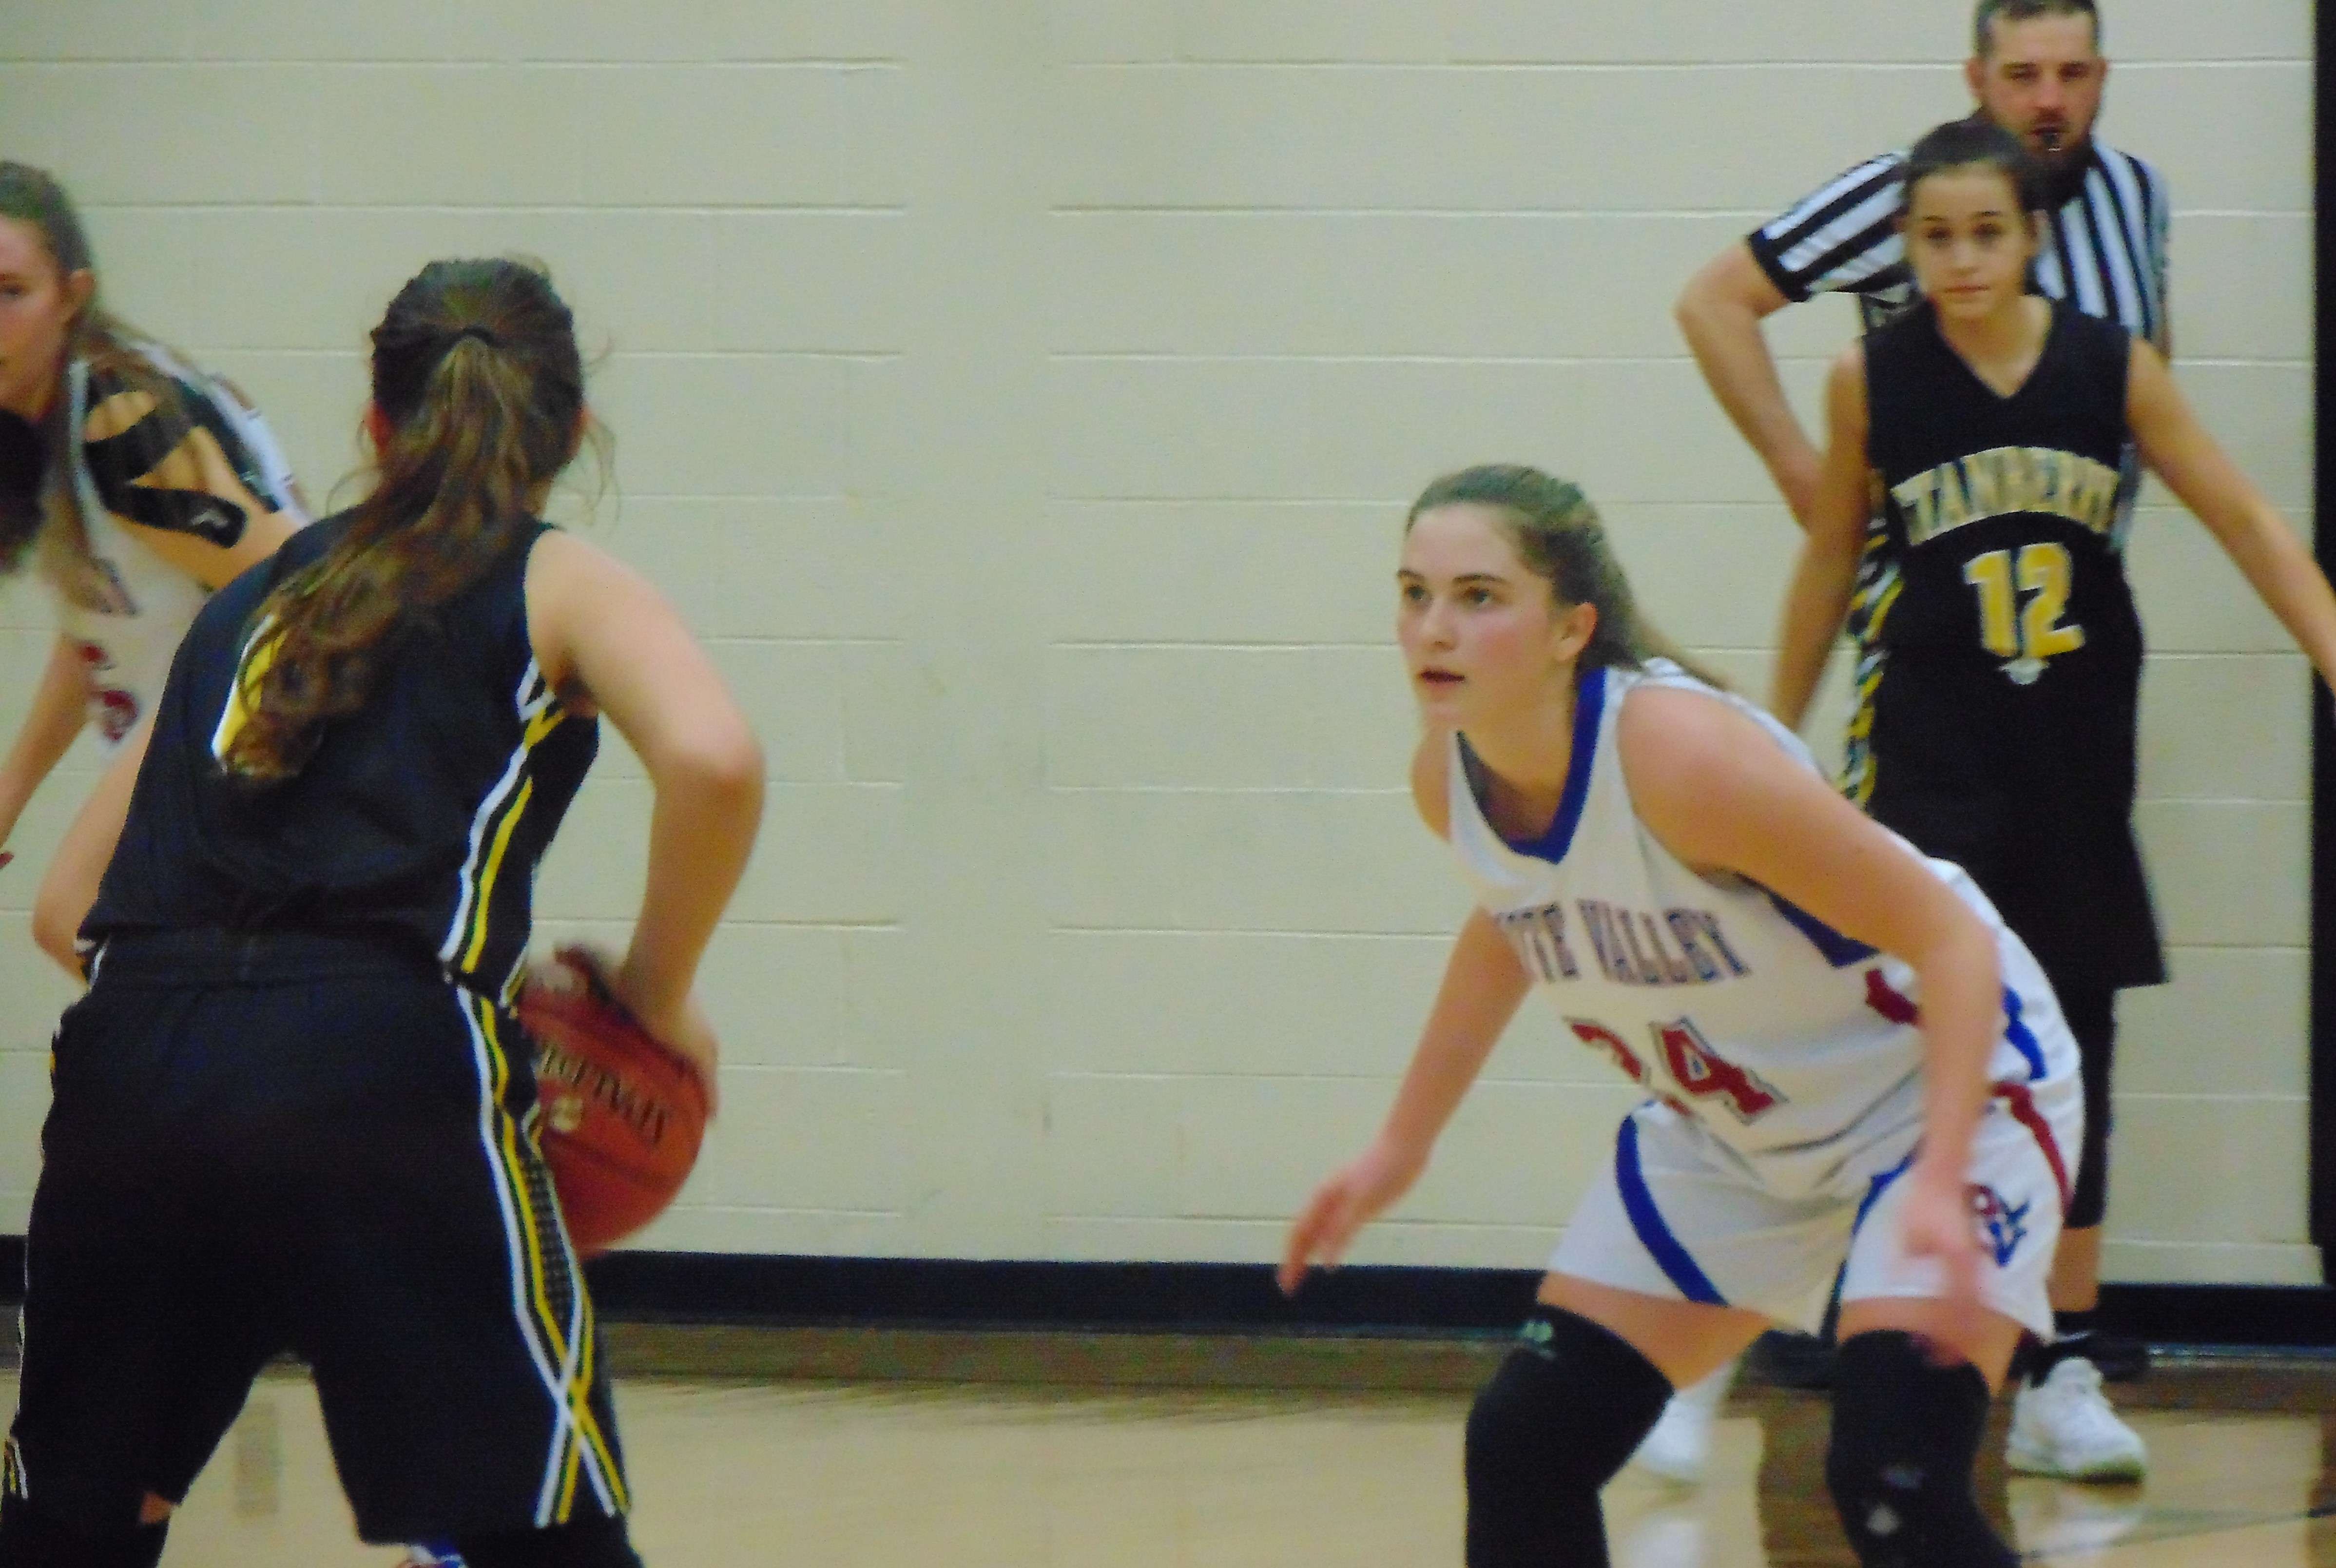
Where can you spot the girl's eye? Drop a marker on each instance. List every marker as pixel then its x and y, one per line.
pixel 1478 596
pixel 1413 593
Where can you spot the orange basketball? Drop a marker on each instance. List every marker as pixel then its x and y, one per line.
pixel 622 1115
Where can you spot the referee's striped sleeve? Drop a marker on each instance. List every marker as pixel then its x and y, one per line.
pixel 2154 197
pixel 1841 236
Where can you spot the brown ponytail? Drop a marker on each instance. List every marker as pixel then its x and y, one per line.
pixel 1555 532
pixel 477 378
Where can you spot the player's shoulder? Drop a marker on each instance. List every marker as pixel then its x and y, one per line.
pixel 559 562
pixel 128 392
pixel 145 376
pixel 310 544
pixel 303 550
pixel 1907 346
pixel 1674 726
pixel 1916 324
pixel 570 584
pixel 228 617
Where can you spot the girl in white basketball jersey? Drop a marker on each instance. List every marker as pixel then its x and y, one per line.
pixel 1847 1057
pixel 134 482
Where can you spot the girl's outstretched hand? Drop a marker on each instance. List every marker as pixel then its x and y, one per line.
pixel 1343 1206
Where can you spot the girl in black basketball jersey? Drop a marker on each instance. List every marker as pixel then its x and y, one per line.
pixel 2000 652
pixel 294 1110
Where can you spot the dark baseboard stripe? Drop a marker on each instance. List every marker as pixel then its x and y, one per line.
pixel 943 1293
pixel 1241 1298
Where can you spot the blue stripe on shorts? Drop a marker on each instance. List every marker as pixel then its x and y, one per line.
pixel 2022 1037
pixel 1648 1221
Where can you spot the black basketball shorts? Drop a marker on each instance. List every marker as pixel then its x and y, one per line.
pixel 262 1144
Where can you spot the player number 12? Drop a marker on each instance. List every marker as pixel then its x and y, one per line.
pixel 2024 636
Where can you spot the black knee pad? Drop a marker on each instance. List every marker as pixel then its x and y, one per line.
pixel 598 1542
pixel 1556 1422
pixel 31 1538
pixel 1904 1436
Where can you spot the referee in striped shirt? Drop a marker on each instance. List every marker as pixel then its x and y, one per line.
pixel 2037 70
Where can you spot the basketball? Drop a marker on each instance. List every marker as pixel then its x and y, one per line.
pixel 622 1115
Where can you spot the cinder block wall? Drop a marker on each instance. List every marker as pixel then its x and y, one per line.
pixel 1021 398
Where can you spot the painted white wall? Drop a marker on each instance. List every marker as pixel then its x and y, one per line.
pixel 1021 398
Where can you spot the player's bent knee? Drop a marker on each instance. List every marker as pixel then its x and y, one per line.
pixel 33 1537
pixel 1556 1422
pixel 1567 1407
pixel 595 1543
pixel 1905 1432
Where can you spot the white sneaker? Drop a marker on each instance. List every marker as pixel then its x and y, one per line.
pixel 2064 1427
pixel 1679 1445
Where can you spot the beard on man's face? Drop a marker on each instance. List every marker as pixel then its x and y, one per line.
pixel 2058 142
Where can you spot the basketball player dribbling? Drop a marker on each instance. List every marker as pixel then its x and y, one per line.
pixel 1847 1055
pixel 2000 651
pixel 133 483
pixel 294 1110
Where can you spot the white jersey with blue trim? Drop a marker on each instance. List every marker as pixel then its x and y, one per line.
pixel 127 620
pixel 1795 1047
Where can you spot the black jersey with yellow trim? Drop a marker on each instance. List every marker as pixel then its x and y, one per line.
pixel 1999 648
pixel 421 817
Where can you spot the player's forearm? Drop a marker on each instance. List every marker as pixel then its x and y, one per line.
pixel 1962 1001
pixel 1483 984
pixel 1813 606
pixel 60 708
pixel 701 835
pixel 76 872
pixel 2282 571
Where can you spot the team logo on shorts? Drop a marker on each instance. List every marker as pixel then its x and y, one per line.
pixel 1537 1337
pixel 2000 1226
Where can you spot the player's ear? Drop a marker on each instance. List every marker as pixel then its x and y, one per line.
pixel 377 427
pixel 1574 629
pixel 81 287
pixel 1975 77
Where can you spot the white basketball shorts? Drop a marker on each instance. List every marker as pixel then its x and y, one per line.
pixel 1677 1215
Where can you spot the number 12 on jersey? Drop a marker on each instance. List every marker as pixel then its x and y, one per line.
pixel 1700 1071
pixel 2024 636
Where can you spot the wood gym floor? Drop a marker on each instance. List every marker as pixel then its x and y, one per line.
pixel 846 1449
